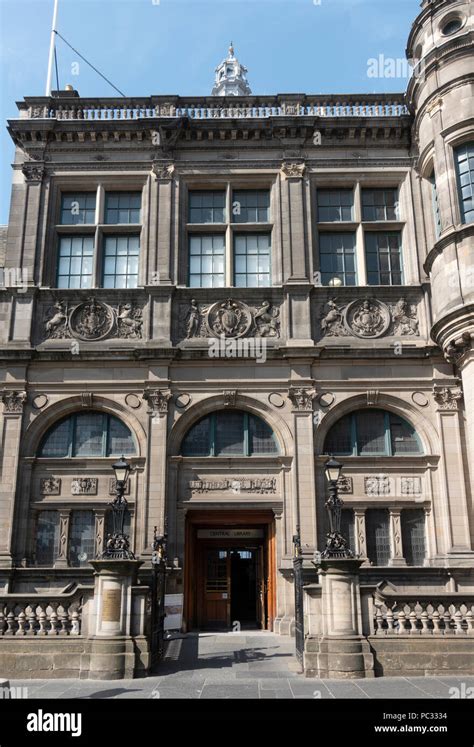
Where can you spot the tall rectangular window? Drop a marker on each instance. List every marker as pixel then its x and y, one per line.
pixel 122 207
pixel 436 213
pixel 77 208
pixel 380 204
pixel 206 207
pixel 252 260
pixel 335 205
pixel 465 174
pixel 47 538
pixel 76 260
pixel 207 261
pixel 337 258
pixel 250 206
pixel 413 536
pixel 377 525
pixel 121 254
pixel 81 538
pixel 383 257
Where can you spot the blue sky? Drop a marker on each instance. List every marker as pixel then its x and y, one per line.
pixel 172 46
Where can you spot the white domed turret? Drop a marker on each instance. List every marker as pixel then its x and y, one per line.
pixel 231 77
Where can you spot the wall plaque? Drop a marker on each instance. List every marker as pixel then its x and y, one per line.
pixel 230 533
pixel 111 605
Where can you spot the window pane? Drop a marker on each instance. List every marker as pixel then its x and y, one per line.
pixel 57 441
pixel 465 174
pixel 77 208
pixel 206 267
pixel 47 538
pixel 229 433
pixel 251 206
pixel 252 260
pixel 383 266
pixel 380 204
pixel 261 437
pixel 75 262
pixel 81 538
pixel 403 437
pixel 370 427
pixel 413 536
pixel 198 439
pixel 120 439
pixel 88 434
pixel 206 207
pixel 122 207
pixel 337 257
pixel 339 439
pixel 378 536
pixel 335 204
pixel 121 261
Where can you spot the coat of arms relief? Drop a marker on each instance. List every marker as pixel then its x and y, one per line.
pixel 369 318
pixel 230 318
pixel 93 320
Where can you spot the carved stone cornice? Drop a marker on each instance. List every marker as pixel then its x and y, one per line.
pixel 301 398
pixel 447 398
pixel 157 400
pixel 13 402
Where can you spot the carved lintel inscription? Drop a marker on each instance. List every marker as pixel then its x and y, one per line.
pixel 260 485
pixel 111 605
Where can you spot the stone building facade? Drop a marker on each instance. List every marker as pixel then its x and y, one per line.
pixel 226 290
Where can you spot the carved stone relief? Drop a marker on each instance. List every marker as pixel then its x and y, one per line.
pixel 301 398
pixel 368 319
pixel 447 398
pixel 377 485
pixel 84 486
pixel 230 319
pixel 50 486
pixel 93 320
pixel 13 402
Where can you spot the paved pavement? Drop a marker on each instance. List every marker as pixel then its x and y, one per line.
pixel 253 664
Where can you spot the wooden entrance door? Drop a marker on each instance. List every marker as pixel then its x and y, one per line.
pixel 215 588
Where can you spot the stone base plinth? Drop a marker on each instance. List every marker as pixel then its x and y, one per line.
pixel 338 658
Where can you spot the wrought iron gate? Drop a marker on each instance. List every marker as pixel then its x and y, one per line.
pixel 298 582
pixel 158 588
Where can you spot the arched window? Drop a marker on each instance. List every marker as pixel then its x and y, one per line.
pixel 372 433
pixel 88 434
pixel 229 433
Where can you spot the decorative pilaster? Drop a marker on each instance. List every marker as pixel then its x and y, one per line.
pixel 10 435
pixel 360 532
pixel 99 531
pixel 64 519
pixel 396 549
pixel 302 474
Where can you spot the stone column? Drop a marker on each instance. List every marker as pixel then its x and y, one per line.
pixel 396 549
pixel 341 651
pixel 10 434
pixel 158 400
pixel 112 647
pixel 303 475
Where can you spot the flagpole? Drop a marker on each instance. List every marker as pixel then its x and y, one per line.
pixel 51 49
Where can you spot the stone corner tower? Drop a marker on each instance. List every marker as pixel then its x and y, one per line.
pixel 441 97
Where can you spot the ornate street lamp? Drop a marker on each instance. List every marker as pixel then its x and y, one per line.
pixel 117 545
pixel 336 545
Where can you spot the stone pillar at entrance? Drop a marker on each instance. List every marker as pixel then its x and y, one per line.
pixel 113 650
pixel 340 650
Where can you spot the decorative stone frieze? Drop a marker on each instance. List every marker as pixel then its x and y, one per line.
pixel 93 320
pixel 377 485
pixel 230 319
pixel 13 402
pixel 157 401
pixel 410 485
pixel 50 486
pixel 84 486
pixel 447 398
pixel 301 398
pixel 260 485
pixel 369 318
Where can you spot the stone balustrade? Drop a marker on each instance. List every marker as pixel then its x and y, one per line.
pixel 424 615
pixel 251 107
pixel 41 614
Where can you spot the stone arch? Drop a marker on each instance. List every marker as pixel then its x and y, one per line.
pixel 68 406
pixel 423 427
pixel 216 402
